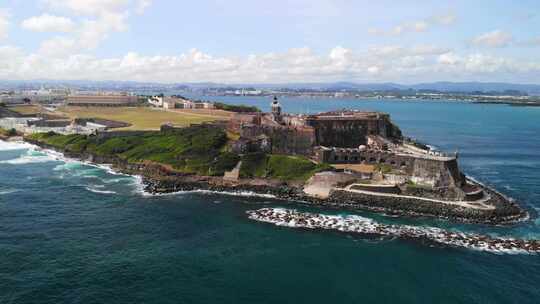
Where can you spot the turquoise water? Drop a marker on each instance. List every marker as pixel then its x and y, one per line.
pixel 74 233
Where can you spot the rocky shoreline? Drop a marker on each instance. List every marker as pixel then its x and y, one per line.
pixel 506 212
pixel 158 179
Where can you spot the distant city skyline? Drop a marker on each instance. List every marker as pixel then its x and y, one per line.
pixel 241 41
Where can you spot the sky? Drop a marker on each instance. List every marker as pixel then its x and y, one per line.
pixel 278 41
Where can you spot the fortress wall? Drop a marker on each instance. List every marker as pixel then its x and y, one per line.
pixel 293 141
pixel 50 123
pixel 436 173
pixel 355 156
pixel 285 140
pixel 106 135
pixel 351 132
pixel 341 133
pixel 433 172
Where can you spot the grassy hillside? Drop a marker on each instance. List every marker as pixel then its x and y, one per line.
pixel 194 150
pixel 283 167
pixel 200 150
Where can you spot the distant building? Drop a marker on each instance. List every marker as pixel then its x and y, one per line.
pixel 181 103
pixel 102 100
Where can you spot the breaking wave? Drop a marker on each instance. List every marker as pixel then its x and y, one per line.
pixel 362 225
pixel 8 191
pixel 139 189
pixel 9 146
pixel 94 190
pixel 31 157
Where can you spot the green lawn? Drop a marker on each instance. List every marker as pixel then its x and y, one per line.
pixel 143 118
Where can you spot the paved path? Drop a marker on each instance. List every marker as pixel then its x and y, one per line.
pixel 480 204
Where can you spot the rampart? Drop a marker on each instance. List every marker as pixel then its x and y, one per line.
pixel 431 170
pixel 350 129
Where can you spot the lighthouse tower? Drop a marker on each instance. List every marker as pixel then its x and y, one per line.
pixel 276 110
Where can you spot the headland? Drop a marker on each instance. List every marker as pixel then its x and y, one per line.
pixel 339 159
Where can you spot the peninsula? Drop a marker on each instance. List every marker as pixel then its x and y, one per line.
pixel 340 159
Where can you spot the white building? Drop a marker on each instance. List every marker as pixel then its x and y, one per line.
pixel 181 103
pixel 156 101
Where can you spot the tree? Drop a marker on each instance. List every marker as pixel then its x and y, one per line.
pixel 12 132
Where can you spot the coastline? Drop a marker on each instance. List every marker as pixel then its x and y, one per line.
pixel 158 180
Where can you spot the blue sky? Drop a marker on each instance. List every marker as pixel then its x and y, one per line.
pixel 270 41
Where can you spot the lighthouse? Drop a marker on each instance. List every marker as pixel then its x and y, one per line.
pixel 276 110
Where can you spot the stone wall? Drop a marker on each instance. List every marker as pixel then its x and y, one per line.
pixel 443 172
pixel 351 132
pixel 438 174
pixel 284 140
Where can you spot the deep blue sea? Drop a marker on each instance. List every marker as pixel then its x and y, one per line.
pixel 75 233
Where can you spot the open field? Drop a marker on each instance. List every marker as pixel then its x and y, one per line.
pixel 142 118
pixel 27 109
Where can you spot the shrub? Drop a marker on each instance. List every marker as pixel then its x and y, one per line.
pixel 236 108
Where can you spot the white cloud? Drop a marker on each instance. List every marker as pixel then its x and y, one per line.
pixel 532 42
pixel 395 63
pixel 89 7
pixel 4 23
pixel 373 70
pixel 420 26
pixel 57 47
pixel 93 32
pixel 48 23
pixel 415 26
pixel 448 58
pixel 445 19
pixel 494 39
pixel 396 51
pixel 100 18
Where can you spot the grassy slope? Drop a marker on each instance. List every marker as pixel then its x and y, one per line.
pixel 190 150
pixel 194 150
pixel 283 167
pixel 143 118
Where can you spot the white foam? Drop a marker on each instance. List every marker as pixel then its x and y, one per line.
pixel 362 225
pixel 140 190
pixel 36 154
pixel 8 191
pixel 15 145
pixel 30 157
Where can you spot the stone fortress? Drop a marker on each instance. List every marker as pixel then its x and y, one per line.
pixel 366 145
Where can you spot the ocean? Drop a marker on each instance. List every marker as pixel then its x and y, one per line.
pixel 76 233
